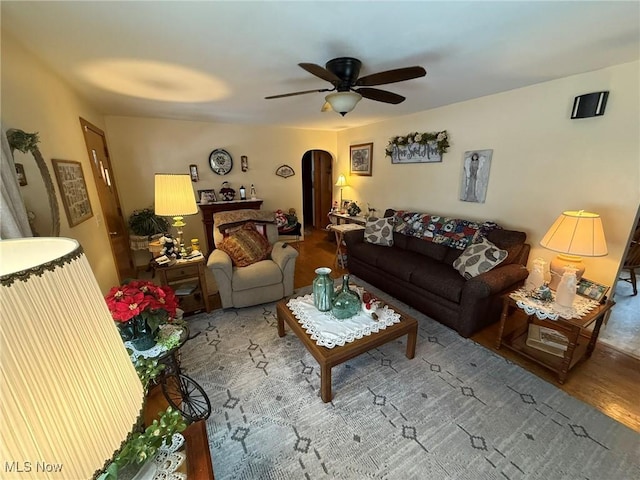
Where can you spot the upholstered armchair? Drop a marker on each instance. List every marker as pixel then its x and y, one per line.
pixel 250 269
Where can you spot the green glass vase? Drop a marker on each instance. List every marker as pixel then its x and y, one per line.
pixel 323 289
pixel 142 334
pixel 347 303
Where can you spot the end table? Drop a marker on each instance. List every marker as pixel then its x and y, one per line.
pixel 514 329
pixel 190 273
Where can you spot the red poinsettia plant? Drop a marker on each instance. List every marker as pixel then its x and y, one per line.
pixel 155 304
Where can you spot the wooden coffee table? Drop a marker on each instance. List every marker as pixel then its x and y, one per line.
pixel 330 357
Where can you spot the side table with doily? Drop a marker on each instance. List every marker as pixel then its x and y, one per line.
pixel 520 312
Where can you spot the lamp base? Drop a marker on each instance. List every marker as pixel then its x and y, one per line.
pixel 178 223
pixel 556 268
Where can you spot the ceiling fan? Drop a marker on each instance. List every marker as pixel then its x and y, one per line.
pixel 342 73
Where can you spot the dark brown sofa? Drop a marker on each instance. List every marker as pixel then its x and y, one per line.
pixel 421 274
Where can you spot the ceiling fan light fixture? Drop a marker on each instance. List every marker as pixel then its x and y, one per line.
pixel 343 102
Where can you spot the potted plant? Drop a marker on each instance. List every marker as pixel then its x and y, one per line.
pixel 145 223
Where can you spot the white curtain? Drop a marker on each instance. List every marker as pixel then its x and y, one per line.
pixel 14 222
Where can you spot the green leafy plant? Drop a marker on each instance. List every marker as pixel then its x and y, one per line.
pixel 24 142
pixel 148 369
pixel 145 222
pixel 142 446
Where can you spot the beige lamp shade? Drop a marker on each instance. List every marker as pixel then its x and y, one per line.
pixel 174 195
pixel 70 395
pixel 342 181
pixel 574 234
pixel 343 102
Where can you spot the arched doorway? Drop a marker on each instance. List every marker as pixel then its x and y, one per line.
pixel 317 188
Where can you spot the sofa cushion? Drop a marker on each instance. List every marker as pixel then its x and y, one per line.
pixel 400 263
pixel 245 247
pixel 479 258
pixel 510 240
pixel 367 252
pixel 440 279
pixel 379 231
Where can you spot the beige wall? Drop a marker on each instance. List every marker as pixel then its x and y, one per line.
pixel 141 147
pixel 36 100
pixel 543 162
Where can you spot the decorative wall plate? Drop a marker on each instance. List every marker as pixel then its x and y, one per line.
pixel 285 171
pixel 220 161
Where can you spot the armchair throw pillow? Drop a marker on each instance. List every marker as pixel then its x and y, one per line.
pixel 379 231
pixel 479 258
pixel 245 247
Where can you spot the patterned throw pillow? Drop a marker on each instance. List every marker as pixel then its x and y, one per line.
pixel 379 231
pixel 245 247
pixel 479 258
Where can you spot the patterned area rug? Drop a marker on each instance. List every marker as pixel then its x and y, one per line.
pixel 456 411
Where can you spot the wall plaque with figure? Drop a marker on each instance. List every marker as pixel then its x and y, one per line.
pixel 475 175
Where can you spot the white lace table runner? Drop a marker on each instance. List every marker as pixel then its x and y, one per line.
pixel 550 310
pixel 328 331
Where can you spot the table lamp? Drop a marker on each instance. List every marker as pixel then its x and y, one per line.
pixel 574 234
pixel 70 394
pixel 174 198
pixel 342 182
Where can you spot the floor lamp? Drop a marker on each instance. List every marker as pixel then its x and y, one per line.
pixel 70 394
pixel 174 198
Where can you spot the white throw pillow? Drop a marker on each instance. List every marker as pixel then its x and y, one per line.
pixel 379 231
pixel 479 258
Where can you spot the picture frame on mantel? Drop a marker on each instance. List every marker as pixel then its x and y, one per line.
pixel 361 159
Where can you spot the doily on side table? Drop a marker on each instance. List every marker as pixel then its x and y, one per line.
pixel 551 310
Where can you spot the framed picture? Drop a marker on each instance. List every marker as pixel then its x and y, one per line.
pixel 193 171
pixel 22 178
pixel 207 196
pixel 345 205
pixel 361 159
pixel 474 180
pixel 73 190
pixel 244 163
pixel 589 288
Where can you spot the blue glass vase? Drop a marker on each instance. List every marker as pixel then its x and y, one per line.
pixel 323 292
pixel 347 303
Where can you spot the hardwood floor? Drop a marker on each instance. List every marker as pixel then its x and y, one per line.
pixel 609 380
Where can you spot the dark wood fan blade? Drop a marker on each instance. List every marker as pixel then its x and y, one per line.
pixel 320 72
pixel 380 95
pixel 298 93
pixel 391 76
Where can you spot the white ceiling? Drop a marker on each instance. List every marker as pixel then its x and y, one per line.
pixel 216 61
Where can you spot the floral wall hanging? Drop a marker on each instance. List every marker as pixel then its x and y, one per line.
pixel 418 147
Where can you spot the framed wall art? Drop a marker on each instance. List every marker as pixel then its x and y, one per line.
pixel 475 175
pixel 22 178
pixel 361 159
pixel 73 190
pixel 193 171
pixel 418 147
pixel 285 171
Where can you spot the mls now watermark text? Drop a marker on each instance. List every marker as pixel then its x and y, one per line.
pixel 26 467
